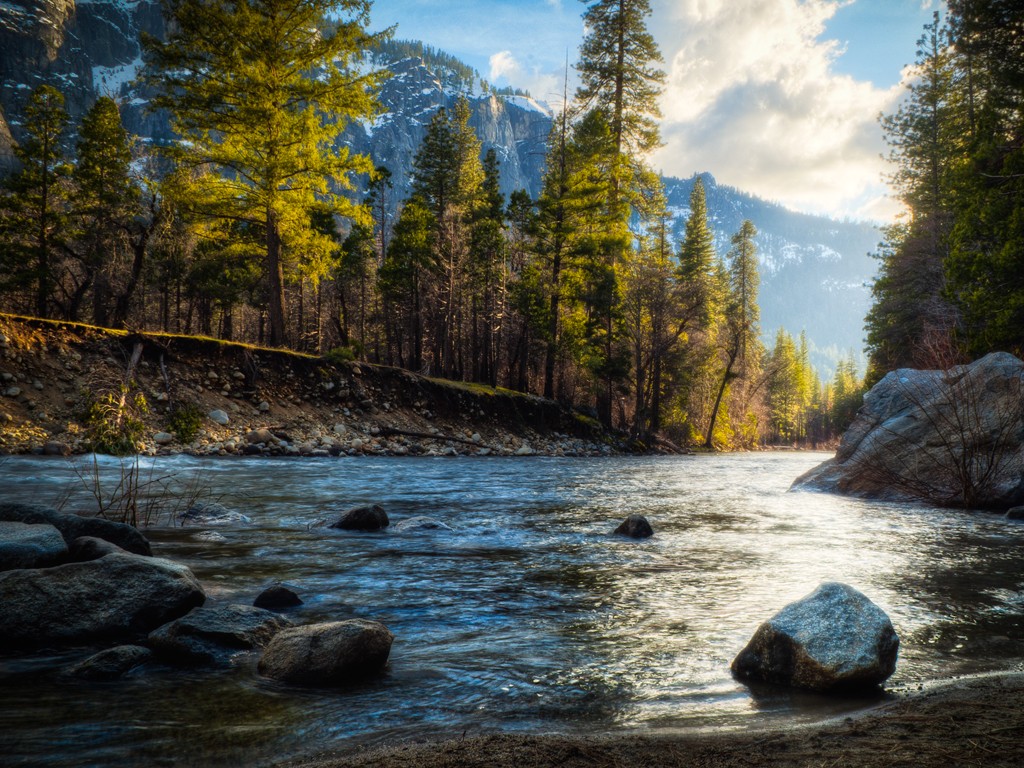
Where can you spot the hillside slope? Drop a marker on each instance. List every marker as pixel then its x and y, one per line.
pixel 50 371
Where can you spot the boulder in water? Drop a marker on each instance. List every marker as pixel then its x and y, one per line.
pixel 73 526
pixel 277 597
pixel 951 438
pixel 26 545
pixel 335 653
pixel 119 596
pixel 212 513
pixel 833 639
pixel 369 517
pixel 210 635
pixel 635 527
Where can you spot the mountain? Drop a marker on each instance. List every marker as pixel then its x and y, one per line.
pixel 814 269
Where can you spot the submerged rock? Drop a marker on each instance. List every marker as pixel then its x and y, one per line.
pixel 329 654
pixel 369 517
pixel 635 527
pixel 209 635
pixel 212 513
pixel 119 596
pixel 918 430
pixel 112 663
pixel 24 545
pixel 835 638
pixel 421 523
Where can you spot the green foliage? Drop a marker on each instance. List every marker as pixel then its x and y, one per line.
pixel 340 355
pixel 185 421
pixel 34 206
pixel 260 90
pixel 113 420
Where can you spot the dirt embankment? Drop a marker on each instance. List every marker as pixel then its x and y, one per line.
pixel 246 399
pixel 970 722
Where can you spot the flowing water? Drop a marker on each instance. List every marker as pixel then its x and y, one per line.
pixel 528 616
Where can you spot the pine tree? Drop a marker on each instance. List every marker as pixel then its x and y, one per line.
pixel 107 203
pixel 739 339
pixel 259 90
pixel 618 72
pixel 34 221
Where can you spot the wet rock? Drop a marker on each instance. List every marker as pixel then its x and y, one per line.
pixel 332 654
pixel 211 635
pixel 30 546
pixel 369 517
pixel 119 596
pixel 112 663
pixel 1015 513
pixel 86 548
pixel 635 527
pixel 210 537
pixel 72 527
pixel 833 639
pixel 212 513
pixel 277 597
pixel 219 417
pixel 420 523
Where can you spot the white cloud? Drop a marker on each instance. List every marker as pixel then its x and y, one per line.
pixel 506 69
pixel 752 96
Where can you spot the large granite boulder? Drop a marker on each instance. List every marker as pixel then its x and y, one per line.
pixel 952 438
pixel 833 639
pixel 369 517
pixel 72 527
pixel 211 635
pixel 329 654
pixel 23 545
pixel 119 596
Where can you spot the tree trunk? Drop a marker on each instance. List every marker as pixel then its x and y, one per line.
pixel 275 280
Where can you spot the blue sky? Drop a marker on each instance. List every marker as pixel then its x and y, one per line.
pixel 776 97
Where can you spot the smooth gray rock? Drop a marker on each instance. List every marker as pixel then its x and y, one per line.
pixel 72 527
pixel 277 597
pixel 86 548
pixel 220 417
pixel 119 596
pixel 25 545
pixel 635 527
pixel 833 639
pixel 112 663
pixel 917 431
pixel 369 517
pixel 210 635
pixel 420 523
pixel 329 654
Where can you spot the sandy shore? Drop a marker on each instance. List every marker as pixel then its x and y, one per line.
pixel 976 721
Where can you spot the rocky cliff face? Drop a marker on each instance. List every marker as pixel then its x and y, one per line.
pixel 516 127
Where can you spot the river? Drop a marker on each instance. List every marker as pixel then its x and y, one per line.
pixel 528 616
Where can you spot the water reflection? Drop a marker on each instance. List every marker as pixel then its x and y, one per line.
pixel 529 615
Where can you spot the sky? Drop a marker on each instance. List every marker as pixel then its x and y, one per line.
pixel 779 98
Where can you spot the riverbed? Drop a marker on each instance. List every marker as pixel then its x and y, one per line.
pixel 526 617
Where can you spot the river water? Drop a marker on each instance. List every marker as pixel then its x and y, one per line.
pixel 528 616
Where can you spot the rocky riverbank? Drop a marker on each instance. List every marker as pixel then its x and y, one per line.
pixel 208 397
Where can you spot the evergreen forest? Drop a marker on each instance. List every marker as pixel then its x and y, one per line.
pixel 250 226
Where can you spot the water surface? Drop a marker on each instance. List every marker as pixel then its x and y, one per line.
pixel 529 616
